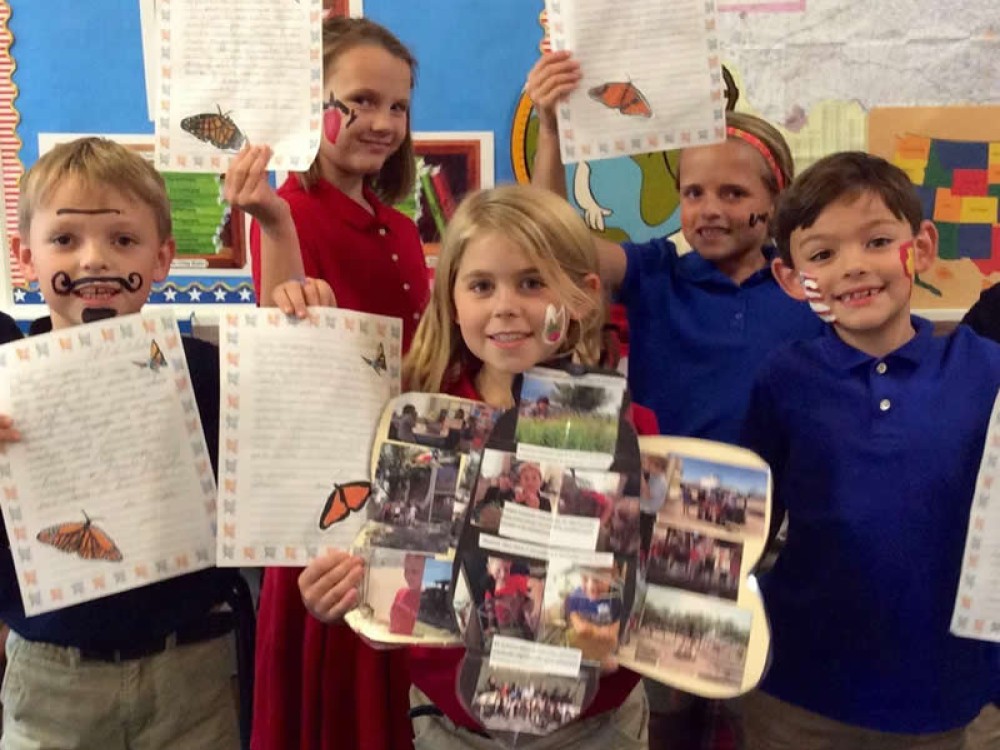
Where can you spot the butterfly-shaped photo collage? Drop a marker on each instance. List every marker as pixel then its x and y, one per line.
pixel 425 458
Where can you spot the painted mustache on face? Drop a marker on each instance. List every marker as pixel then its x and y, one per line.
pixel 62 283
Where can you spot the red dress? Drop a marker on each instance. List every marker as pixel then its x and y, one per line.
pixel 320 687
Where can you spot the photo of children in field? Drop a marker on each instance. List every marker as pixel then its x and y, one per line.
pixel 507 700
pixel 572 414
pixel 715 496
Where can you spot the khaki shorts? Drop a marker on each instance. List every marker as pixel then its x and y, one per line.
pixel 626 728
pixel 179 698
pixel 773 724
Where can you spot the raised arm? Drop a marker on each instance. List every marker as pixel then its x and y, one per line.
pixel 552 79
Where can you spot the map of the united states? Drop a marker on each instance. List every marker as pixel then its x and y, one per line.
pixel 959 184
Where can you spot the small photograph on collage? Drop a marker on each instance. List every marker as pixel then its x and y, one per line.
pixel 599 495
pixel 508 700
pixel 407 593
pixel 413 498
pixel 693 635
pixel 695 562
pixel 507 591
pixel 435 421
pixel 503 479
pixel 583 608
pixel 716 496
pixel 569 419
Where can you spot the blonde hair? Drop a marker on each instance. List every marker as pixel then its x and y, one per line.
pixel 395 180
pixel 771 139
pixel 555 241
pixel 94 161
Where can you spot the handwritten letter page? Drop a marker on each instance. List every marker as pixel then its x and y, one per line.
pixel 111 487
pixel 238 72
pixel 977 610
pixel 652 79
pixel 301 401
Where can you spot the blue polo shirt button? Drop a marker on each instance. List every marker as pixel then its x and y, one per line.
pixel 885 404
pixel 881 367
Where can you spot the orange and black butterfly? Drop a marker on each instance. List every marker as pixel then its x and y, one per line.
pixel 85 539
pixel 156 361
pixel 215 128
pixel 623 96
pixel 377 363
pixel 345 499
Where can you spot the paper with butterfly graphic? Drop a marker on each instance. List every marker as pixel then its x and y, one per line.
pixel 300 403
pixel 111 487
pixel 977 605
pixel 652 78
pixel 232 73
pixel 425 458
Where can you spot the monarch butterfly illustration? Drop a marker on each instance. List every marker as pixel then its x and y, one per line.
pixel 85 539
pixel 344 499
pixel 215 128
pixel 156 360
pixel 377 363
pixel 623 96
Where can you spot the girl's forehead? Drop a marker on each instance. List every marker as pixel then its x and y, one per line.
pixel 732 161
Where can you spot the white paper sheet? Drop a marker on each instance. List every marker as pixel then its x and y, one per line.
pixel 300 404
pixel 652 78
pixel 230 73
pixel 977 607
pixel 112 464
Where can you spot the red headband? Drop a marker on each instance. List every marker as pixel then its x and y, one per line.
pixel 762 149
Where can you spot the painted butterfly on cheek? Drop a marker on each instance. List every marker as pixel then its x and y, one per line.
pixel 377 363
pixel 344 500
pixel 156 360
pixel 623 96
pixel 84 539
pixel 215 128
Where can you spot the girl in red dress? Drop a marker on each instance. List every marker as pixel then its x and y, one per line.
pixel 513 259
pixel 318 686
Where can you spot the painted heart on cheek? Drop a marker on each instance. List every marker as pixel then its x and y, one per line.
pixel 331 124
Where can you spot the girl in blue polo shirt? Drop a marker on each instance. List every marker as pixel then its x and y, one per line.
pixel 701 323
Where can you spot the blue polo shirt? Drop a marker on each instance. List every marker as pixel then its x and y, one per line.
pixel 875 460
pixel 696 339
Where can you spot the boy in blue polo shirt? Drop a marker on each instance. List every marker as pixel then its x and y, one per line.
pixel 874 433
pixel 151 667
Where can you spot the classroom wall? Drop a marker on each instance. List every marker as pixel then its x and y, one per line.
pixel 79 65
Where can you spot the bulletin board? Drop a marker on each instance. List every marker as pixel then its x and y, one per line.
pixel 70 68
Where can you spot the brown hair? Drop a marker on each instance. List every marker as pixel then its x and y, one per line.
pixel 843 176
pixel 555 240
pixel 771 139
pixel 340 34
pixel 94 161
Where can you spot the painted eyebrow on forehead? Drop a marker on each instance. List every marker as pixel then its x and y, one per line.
pixel 87 211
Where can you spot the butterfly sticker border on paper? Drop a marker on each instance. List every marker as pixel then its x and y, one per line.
pixel 156 361
pixel 377 362
pixel 85 539
pixel 623 96
pixel 215 128
pixel 345 499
